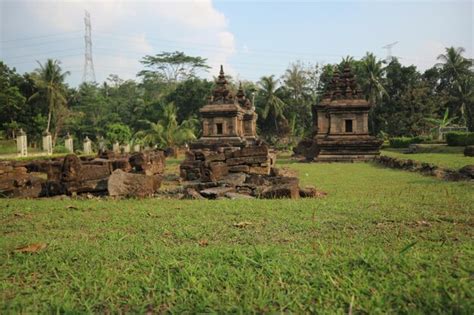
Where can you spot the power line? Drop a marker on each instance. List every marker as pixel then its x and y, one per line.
pixel 36 37
pixel 44 43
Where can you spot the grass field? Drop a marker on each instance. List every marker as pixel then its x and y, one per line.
pixel 449 157
pixel 382 241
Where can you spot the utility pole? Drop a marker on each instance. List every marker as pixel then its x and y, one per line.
pixel 89 73
pixel 389 51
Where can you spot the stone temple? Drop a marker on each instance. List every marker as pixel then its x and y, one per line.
pixel 229 160
pixel 227 119
pixel 340 124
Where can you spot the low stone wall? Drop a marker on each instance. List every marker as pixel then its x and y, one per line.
pixel 138 174
pixel 210 165
pixel 465 173
pixel 238 173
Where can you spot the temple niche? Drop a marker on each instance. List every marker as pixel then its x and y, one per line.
pixel 341 127
pixel 227 119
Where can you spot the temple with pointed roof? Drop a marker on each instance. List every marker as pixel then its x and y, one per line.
pixel 341 127
pixel 227 120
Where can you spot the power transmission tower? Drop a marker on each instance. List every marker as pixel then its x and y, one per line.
pixel 89 73
pixel 389 51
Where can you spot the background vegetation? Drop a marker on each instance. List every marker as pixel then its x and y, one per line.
pixel 167 95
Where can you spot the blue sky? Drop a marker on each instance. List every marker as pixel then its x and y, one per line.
pixel 251 38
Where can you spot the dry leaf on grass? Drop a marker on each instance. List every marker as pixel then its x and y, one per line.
pixel 423 223
pixel 242 224
pixel 203 243
pixel 72 208
pixel 32 248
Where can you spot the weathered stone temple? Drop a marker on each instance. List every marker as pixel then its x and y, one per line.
pixel 227 119
pixel 229 161
pixel 341 128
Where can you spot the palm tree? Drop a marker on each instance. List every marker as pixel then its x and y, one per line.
pixel 167 133
pixel 373 72
pixel 372 77
pixel 271 102
pixel 296 81
pixel 455 69
pixel 49 80
pixel 453 65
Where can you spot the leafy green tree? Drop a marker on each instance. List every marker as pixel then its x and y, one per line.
pixel 189 96
pixel 298 97
pixel 270 105
pixel 167 132
pixel 49 80
pixel 173 66
pixel 90 107
pixel 409 100
pixel 118 133
pixel 11 100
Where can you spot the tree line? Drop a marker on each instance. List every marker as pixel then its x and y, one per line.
pixel 161 107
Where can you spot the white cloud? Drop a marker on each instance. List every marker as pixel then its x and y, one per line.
pixel 131 29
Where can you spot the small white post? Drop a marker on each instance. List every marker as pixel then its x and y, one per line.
pixel 126 148
pixel 69 143
pixel 102 146
pixel 87 146
pixel 116 147
pixel 47 143
pixel 136 148
pixel 22 144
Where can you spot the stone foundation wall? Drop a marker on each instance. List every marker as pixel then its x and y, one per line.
pixel 465 173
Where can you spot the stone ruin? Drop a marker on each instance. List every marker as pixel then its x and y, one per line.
pixel 138 174
pixel 229 160
pixel 340 124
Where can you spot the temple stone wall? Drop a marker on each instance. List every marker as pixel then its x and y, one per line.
pixel 341 124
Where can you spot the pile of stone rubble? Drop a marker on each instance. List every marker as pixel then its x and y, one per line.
pixel 238 173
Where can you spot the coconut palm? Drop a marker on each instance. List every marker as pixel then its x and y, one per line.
pixel 455 69
pixel 372 73
pixel 453 65
pixel 49 80
pixel 296 81
pixel 271 103
pixel 167 133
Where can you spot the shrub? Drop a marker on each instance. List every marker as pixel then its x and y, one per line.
pixel 404 142
pixel 58 148
pixel 459 138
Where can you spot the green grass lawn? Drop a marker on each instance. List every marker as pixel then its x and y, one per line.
pixel 449 157
pixel 382 241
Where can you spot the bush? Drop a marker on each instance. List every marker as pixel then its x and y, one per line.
pixel 404 142
pixel 459 138
pixel 58 148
